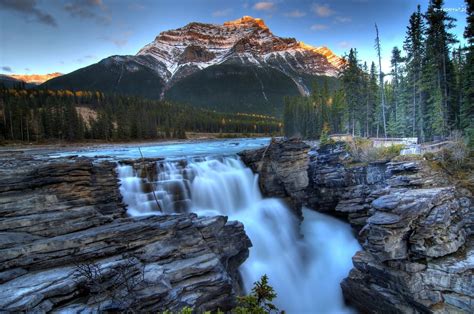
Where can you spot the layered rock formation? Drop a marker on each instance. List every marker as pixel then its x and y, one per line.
pixel 244 41
pixel 414 225
pixel 282 167
pixel 66 244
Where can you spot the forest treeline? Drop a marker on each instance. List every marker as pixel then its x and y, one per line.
pixel 428 93
pixel 39 115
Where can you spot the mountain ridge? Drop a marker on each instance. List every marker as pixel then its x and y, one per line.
pixel 237 63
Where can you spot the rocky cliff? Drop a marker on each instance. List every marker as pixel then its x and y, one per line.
pixel 282 167
pixel 67 245
pixel 413 222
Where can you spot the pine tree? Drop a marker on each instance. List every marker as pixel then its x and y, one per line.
pixel 351 77
pixel 467 78
pixel 414 48
pixel 438 70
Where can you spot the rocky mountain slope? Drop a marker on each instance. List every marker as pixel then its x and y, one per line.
pixel 35 78
pixel 238 66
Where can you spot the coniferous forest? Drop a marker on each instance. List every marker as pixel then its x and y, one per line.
pixel 38 115
pixel 429 92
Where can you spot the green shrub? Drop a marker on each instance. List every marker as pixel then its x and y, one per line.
pixel 324 139
pixel 259 301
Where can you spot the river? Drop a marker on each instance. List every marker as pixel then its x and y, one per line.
pixel 208 178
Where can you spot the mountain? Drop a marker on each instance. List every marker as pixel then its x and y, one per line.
pixel 35 78
pixel 9 81
pixel 240 66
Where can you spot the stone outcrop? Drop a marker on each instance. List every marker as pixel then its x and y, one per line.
pixel 282 168
pixel 413 224
pixel 66 244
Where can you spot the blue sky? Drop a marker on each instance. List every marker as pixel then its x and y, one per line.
pixel 44 36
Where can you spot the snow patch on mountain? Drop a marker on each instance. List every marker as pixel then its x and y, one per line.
pixel 196 46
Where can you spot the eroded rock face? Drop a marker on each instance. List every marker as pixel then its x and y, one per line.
pixel 414 226
pixel 282 169
pixel 67 245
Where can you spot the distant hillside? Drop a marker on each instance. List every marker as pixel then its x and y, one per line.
pixel 35 78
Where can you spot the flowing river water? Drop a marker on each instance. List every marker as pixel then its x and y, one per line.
pixel 209 179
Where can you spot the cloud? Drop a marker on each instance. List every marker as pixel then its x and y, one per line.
pixel 85 58
pixel 318 27
pixel 87 9
pixel 344 44
pixel 120 41
pixel 223 12
pixel 296 13
pixel 322 10
pixel 7 69
pixel 343 19
pixel 27 69
pixel 264 6
pixel 137 6
pixel 29 9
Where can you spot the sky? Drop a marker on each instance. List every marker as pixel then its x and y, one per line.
pixel 45 36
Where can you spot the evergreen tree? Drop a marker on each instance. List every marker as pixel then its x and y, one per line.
pixel 438 71
pixel 414 48
pixel 467 78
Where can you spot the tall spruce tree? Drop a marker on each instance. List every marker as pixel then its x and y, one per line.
pixel 352 82
pixel 414 48
pixel 467 78
pixel 438 71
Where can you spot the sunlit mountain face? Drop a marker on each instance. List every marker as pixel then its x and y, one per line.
pixel 237 66
pixel 35 78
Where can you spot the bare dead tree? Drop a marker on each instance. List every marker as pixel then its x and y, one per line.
pixel 382 91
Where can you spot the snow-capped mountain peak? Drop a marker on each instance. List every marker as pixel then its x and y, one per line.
pixel 246 40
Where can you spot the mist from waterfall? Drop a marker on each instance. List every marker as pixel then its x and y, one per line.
pixel 304 271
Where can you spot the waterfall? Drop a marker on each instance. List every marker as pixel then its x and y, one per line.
pixel 304 271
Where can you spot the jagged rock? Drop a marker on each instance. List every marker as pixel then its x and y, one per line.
pixel 66 245
pixel 413 225
pixel 282 169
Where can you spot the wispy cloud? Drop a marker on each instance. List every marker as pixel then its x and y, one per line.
pixel 344 44
pixel 85 58
pixel 27 69
pixel 264 6
pixel 118 41
pixel 29 10
pixel 295 14
pixel 343 19
pixel 224 12
pixel 136 6
pixel 322 10
pixel 89 9
pixel 7 69
pixel 318 27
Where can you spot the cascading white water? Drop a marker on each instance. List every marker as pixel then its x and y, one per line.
pixel 305 272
